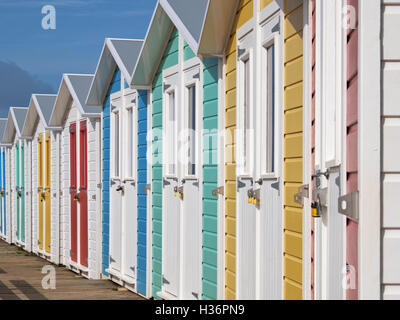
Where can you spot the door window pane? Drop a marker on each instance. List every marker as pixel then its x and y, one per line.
pixel 171 134
pixel 130 142
pixel 116 145
pixel 192 131
pixel 270 103
pixel 246 116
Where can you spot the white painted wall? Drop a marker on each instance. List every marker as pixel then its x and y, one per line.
pixel 8 196
pixel 13 193
pixel 390 150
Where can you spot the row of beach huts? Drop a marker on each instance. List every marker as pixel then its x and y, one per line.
pixel 245 149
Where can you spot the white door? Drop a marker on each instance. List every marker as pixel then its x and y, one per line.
pixel 191 177
pixel 123 191
pixel 116 187
pixel 330 225
pixel 259 203
pixel 182 174
pixel 171 194
pixel 129 181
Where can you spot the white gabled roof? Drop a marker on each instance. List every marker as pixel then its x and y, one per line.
pixel 40 108
pixel 3 125
pixel 116 52
pixel 157 35
pixel 15 123
pixel 204 24
pixel 75 87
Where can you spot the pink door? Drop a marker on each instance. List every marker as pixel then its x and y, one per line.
pixel 352 151
pixel 73 193
pixel 83 200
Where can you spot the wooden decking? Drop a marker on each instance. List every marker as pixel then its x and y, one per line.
pixel 21 279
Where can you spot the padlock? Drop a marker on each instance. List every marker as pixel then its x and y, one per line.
pixel 315 210
pixel 175 191
pixel 255 201
pixel 250 195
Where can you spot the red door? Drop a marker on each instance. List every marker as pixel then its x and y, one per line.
pixel 83 200
pixel 73 193
pixel 352 153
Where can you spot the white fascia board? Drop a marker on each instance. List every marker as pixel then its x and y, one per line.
pixel 194 45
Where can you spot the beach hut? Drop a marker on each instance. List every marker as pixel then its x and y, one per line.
pixel 3 179
pixel 45 146
pixel 80 221
pixel 125 247
pixel 20 220
pixel 355 162
pixel 185 105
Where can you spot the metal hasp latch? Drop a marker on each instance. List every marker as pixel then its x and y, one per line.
pixel 348 205
pixel 303 192
pixel 218 191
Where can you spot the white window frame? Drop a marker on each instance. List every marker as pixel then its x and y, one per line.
pixel 192 68
pixel 270 37
pixel 170 85
pixel 116 107
pixel 246 43
pixel 130 105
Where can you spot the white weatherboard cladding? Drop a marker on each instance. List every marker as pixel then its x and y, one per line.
pixel 13 194
pixel 34 194
pixel 93 158
pixel 65 216
pixel 54 196
pixel 390 153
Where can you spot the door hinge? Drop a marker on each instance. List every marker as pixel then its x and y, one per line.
pixel 218 191
pixel 147 188
pixel 348 205
pixel 303 192
pixel 99 185
pixel 93 197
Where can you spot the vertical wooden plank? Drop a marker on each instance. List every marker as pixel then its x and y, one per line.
pixel 352 150
pixel 40 190
pixel 47 205
pixel 83 197
pixel 293 104
pixel 244 13
pixel 73 174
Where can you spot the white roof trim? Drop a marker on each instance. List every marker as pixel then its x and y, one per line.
pixel 145 42
pixel 194 45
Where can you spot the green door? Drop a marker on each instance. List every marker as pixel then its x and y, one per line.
pixel 17 191
pixel 20 190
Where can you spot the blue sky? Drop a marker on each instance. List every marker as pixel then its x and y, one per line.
pixel 32 60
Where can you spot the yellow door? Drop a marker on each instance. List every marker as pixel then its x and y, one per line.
pixel 40 190
pixel 47 193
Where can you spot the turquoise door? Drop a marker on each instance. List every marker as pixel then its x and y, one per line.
pixel 17 191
